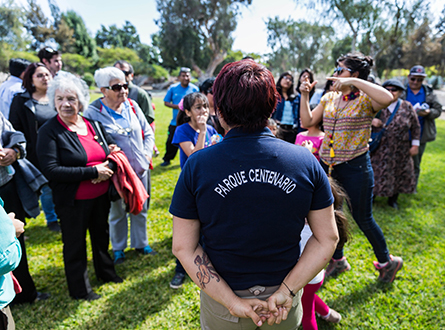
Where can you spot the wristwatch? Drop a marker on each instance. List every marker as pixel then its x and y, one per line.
pixel 17 150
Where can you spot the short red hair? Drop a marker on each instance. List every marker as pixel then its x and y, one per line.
pixel 245 95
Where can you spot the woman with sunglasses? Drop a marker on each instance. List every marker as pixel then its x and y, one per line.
pixel 392 162
pixel 125 122
pixel 73 156
pixel 286 113
pixel 347 114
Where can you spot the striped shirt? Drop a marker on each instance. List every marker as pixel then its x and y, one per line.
pixel 350 126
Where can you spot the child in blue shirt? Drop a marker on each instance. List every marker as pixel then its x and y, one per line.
pixel 192 133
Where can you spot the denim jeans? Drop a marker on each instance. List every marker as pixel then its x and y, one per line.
pixel 357 178
pixel 46 199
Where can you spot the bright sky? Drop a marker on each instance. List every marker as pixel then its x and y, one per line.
pixel 250 35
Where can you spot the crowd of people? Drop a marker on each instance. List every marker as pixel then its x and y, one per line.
pixel 269 164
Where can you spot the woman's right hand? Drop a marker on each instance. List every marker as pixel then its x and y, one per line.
pixel 306 87
pixel 103 172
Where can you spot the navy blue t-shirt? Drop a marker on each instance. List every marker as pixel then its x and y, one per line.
pixel 251 193
pixel 185 133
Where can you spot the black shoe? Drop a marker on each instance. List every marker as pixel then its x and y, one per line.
pixel 41 296
pixel 392 201
pixel 115 279
pixel 54 226
pixel 90 296
pixel 165 163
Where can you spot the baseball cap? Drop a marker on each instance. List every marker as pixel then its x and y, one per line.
pixel 417 70
pixel 395 83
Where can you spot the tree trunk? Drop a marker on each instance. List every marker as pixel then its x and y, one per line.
pixel 216 60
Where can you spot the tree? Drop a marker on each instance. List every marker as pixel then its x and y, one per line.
pixel 44 32
pixel 298 45
pixel 115 37
pixel 11 18
pixel 37 24
pixel 422 48
pixel 358 15
pixel 84 44
pixel 197 33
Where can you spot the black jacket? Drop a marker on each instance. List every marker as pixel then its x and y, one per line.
pixel 22 117
pixel 63 159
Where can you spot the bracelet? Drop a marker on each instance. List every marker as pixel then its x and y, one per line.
pixel 290 291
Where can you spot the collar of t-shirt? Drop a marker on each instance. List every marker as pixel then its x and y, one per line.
pixel 415 98
pixel 123 118
pixel 240 132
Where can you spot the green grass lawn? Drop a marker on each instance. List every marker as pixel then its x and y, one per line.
pixel 145 301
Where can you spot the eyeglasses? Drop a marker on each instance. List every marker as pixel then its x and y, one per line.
pixel 126 72
pixel 413 79
pixel 391 89
pixel 340 69
pixel 41 75
pixel 118 87
pixel 288 78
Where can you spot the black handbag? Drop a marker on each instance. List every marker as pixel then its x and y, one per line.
pixel 112 193
pixel 376 137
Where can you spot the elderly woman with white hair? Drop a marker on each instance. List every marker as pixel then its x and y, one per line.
pixel 125 122
pixel 72 156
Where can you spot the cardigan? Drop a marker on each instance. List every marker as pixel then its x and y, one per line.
pixel 22 116
pixel 63 159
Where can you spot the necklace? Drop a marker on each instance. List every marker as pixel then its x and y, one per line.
pixel 351 96
pixel 331 136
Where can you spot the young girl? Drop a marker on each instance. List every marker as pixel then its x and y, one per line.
pixel 311 302
pixel 311 139
pixel 191 135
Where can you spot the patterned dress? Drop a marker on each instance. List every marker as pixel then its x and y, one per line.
pixel 392 164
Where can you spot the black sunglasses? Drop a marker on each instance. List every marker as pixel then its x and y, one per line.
pixel 416 79
pixel 392 89
pixel 126 72
pixel 340 69
pixel 118 87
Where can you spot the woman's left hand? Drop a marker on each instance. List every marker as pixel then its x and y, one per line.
pixel 414 150
pixel 113 148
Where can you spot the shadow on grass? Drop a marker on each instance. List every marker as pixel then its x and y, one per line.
pixel 41 235
pixel 123 305
pixel 159 170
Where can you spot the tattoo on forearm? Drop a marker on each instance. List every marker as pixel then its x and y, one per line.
pixel 205 271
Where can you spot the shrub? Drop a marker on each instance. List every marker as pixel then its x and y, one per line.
pixel 89 78
pixel 76 63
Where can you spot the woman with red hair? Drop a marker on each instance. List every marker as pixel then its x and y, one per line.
pixel 242 199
